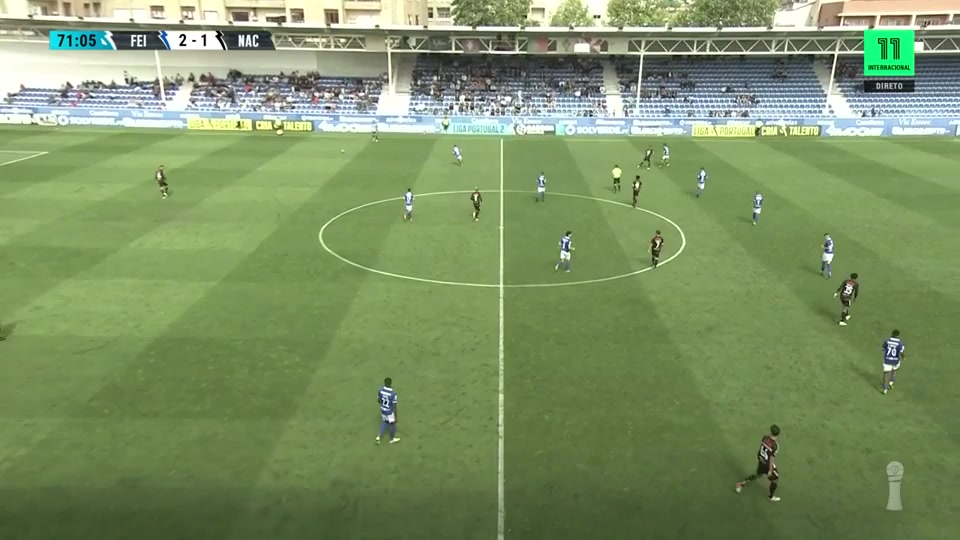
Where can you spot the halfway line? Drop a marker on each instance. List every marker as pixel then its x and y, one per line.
pixel 501 509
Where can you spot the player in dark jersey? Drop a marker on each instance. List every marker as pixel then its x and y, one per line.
pixel 637 184
pixel 766 463
pixel 476 199
pixel 656 244
pixel 848 292
pixel 647 158
pixel 161 178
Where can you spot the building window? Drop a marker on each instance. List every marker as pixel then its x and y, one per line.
pixel 67 9
pixel 188 13
pixel 443 13
pixel 430 14
pixel 278 19
pixel 331 16
pixel 40 10
pixel 240 16
pixel 156 12
pixel 296 15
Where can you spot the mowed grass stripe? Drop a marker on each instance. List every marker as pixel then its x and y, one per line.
pixel 38 264
pixel 845 207
pixel 64 161
pixel 258 307
pixel 10 138
pixel 88 314
pixel 186 453
pixel 859 166
pixel 430 339
pixel 281 296
pixel 617 348
pixel 856 347
pixel 937 151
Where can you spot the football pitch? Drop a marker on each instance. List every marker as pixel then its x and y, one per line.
pixel 205 367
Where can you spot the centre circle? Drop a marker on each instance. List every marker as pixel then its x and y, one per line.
pixel 394 200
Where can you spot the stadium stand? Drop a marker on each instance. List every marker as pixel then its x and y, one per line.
pixel 299 92
pixel 508 86
pixel 936 93
pixel 132 94
pixel 540 86
pixel 723 87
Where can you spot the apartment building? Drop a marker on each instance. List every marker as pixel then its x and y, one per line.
pixel 361 12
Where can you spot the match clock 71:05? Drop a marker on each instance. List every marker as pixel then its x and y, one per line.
pixel 80 40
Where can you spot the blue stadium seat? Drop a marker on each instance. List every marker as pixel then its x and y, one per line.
pixel 300 93
pixel 765 87
pixel 936 93
pixel 507 86
pixel 93 96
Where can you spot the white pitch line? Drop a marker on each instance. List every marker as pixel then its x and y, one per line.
pixel 341 258
pixel 501 508
pixel 18 160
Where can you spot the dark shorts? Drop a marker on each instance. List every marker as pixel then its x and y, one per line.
pixel 647 158
pixel 655 253
pixel 636 193
pixel 616 180
pixel 162 184
pixel 476 207
pixel 764 468
pixel 845 302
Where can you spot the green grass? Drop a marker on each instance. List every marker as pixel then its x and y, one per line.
pixel 201 368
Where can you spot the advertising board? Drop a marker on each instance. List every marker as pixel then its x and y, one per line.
pixel 483 125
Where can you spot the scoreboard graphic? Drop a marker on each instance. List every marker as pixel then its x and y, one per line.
pixel 164 40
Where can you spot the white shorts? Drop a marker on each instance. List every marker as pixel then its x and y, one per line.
pixel 564 255
pixel 458 156
pixel 887 368
pixel 389 418
pixel 757 210
pixel 409 208
pixel 541 189
pixel 701 186
pixel 827 257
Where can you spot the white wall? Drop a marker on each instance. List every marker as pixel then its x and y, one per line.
pixel 16 8
pixel 797 16
pixel 35 65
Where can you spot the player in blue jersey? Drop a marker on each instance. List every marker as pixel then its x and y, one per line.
pixel 848 291
pixel 387 399
pixel 541 188
pixel 893 353
pixel 665 158
pixel 457 154
pixel 757 206
pixel 408 205
pixel 826 261
pixel 701 181
pixel 566 247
